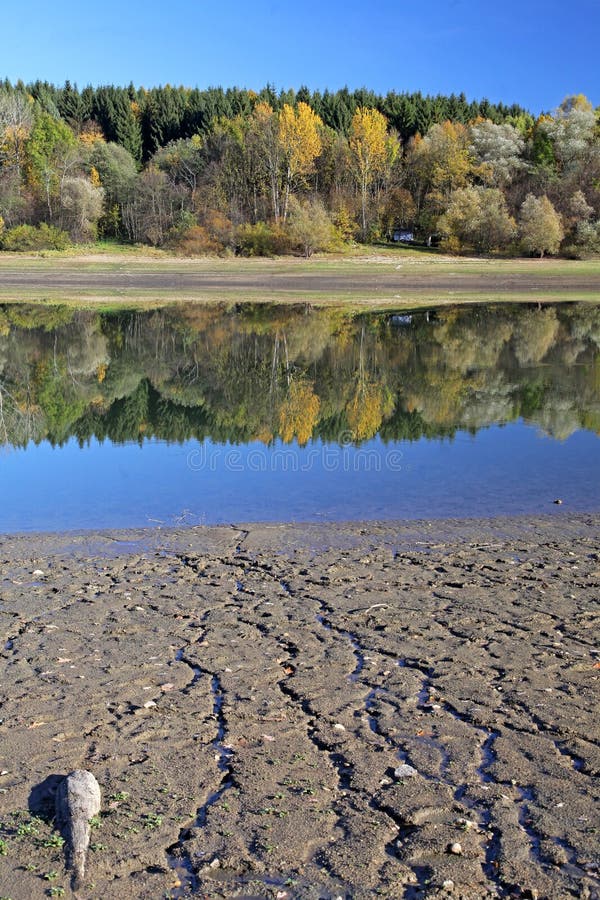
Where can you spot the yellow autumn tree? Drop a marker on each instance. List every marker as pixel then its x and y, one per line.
pixel 300 142
pixel 372 152
pixel 299 412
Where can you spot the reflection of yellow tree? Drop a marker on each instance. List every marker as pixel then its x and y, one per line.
pixel 371 402
pixel 299 412
pixel 439 395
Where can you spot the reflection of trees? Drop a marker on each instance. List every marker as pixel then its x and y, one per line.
pixel 371 400
pixel 261 372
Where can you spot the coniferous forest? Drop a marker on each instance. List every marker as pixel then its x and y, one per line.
pixel 235 171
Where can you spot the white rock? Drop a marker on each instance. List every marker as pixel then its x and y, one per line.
pixel 405 771
pixel 456 849
pixel 338 727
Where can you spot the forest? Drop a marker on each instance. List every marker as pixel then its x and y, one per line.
pixel 264 173
pixel 293 373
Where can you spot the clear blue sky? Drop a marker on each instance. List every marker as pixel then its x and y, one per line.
pixel 532 52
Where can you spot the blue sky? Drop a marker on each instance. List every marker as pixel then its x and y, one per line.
pixel 529 52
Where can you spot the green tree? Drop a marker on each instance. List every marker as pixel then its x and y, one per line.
pixel 52 154
pixel 117 172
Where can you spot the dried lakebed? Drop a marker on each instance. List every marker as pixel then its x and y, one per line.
pixel 307 711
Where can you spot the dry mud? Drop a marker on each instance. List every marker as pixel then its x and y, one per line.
pixel 274 284
pixel 246 698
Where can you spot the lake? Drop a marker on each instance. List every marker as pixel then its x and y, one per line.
pixel 196 414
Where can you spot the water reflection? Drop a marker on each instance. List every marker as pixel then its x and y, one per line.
pixel 286 374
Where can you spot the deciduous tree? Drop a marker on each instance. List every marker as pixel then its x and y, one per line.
pixel 477 217
pixel 372 152
pixel 540 226
pixel 300 140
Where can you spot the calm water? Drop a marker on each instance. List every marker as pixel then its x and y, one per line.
pixel 205 415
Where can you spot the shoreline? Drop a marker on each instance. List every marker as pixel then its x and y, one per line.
pixel 247 696
pixel 383 279
pixel 282 537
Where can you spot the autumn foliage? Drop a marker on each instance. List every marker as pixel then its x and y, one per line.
pixel 242 172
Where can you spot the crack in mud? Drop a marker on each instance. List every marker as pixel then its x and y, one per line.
pixel 178 858
pixel 196 670
pixel 354 643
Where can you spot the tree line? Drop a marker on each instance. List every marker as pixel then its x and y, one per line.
pixel 293 373
pixel 236 171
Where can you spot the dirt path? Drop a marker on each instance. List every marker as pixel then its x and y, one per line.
pixel 314 712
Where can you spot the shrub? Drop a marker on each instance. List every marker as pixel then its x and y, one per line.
pixel 194 241
pixel 26 238
pixel 262 239
pixel 310 228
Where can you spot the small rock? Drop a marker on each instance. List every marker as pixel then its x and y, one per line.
pixel 405 771
pixel 38 573
pixel 448 884
pixel 558 501
pixel 149 704
pixel 455 848
pixel 338 727
pixel 216 863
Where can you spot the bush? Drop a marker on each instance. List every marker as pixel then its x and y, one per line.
pixel 262 240
pixel 194 241
pixel 26 238
pixel 310 228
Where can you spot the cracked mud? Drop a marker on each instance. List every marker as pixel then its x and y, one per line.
pixel 303 711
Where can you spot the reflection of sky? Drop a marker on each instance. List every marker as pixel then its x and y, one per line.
pixel 509 470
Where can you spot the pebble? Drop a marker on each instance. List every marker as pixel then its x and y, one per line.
pixel 149 704
pixel 37 573
pixel 455 848
pixel 216 863
pixel 338 727
pixel 448 884
pixel 405 771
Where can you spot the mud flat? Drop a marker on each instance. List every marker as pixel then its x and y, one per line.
pixel 347 711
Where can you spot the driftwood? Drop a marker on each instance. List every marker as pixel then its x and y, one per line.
pixel 77 802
